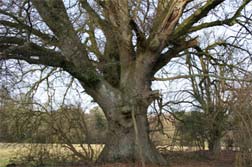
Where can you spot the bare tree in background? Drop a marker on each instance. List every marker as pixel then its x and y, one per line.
pixel 211 97
pixel 113 48
pixel 241 117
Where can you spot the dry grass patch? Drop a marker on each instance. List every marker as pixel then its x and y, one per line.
pixel 7 152
pixel 45 154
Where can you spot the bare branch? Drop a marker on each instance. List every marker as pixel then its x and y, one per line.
pixel 30 52
pixel 230 21
pixel 194 18
pixel 201 75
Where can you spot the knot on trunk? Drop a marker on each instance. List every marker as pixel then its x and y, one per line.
pixel 126 112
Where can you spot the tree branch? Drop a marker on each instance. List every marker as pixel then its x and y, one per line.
pixel 54 14
pixel 173 52
pixel 20 49
pixel 230 21
pixel 164 26
pixel 21 26
pixel 200 75
pixel 183 28
pixel 102 23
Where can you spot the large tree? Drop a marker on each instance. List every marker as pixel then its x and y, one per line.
pixel 113 48
pixel 210 92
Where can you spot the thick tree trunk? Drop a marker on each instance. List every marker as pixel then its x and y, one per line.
pixel 122 144
pixel 214 146
pixel 214 143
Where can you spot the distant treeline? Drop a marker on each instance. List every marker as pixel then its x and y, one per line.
pixel 20 122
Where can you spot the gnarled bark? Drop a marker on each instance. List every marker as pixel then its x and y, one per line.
pixel 124 145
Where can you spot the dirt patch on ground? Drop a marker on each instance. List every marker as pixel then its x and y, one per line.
pixel 176 159
pixel 201 159
pixel 189 159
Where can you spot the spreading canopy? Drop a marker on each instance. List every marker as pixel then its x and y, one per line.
pixel 99 41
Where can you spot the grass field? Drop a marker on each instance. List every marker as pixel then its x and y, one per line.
pixel 9 152
pixel 4 158
pixel 177 158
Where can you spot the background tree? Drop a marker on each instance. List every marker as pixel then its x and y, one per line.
pixel 241 119
pixel 192 129
pixel 209 91
pixel 5 103
pixel 114 48
pixel 97 125
pixel 69 127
